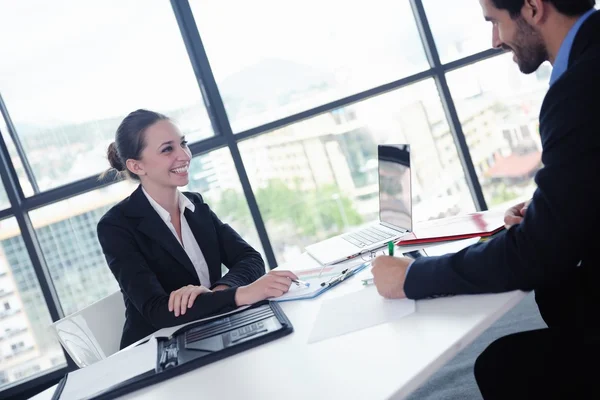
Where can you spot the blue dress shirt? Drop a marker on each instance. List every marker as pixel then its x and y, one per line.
pixel 562 58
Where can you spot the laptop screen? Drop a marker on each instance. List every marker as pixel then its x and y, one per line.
pixel 395 203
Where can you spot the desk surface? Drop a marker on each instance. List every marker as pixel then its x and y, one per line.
pixel 381 362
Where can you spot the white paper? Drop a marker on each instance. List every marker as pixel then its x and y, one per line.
pixel 315 281
pixel 86 382
pixel 355 311
pixel 450 247
pixel 167 332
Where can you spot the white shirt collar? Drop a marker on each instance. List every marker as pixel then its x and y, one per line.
pixel 184 203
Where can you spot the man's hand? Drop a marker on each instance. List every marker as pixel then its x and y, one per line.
pixel 389 274
pixel 515 214
pixel 182 299
pixel 273 284
pixel 220 287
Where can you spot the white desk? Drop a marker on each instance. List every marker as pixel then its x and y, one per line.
pixel 385 361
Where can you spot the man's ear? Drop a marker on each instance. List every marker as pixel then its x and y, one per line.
pixel 135 167
pixel 534 11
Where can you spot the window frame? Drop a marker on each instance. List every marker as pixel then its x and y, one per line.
pixel 21 205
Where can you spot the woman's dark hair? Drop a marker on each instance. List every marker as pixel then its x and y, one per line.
pixel 130 139
pixel 571 8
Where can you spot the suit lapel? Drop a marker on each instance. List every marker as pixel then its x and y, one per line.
pixel 202 227
pixel 155 228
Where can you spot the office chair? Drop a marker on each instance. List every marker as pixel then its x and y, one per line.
pixel 94 332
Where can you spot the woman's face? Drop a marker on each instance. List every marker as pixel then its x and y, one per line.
pixel 166 158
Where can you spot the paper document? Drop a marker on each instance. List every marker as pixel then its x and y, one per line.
pixel 355 311
pixel 167 332
pixel 330 277
pixel 450 247
pixel 86 382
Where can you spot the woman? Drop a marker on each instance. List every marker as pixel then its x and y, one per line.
pixel 165 247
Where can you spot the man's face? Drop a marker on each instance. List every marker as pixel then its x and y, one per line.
pixel 516 35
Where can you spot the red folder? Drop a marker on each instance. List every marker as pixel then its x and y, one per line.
pixel 479 224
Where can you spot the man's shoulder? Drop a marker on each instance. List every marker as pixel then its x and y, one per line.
pixel 578 89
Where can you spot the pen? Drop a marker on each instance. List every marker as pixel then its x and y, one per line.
pixel 367 282
pixel 391 248
pixel 298 282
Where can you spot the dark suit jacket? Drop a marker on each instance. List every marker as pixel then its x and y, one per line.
pixel 554 251
pixel 149 263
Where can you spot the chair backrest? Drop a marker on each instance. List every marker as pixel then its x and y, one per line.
pixel 94 332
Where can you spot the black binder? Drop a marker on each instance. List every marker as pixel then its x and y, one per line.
pixel 202 343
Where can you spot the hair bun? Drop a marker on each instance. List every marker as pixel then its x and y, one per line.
pixel 113 157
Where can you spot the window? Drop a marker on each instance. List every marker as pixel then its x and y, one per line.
pixel 29 342
pixel 318 178
pixel 4 203
pixel 272 59
pixel 25 185
pixel 499 108
pixel 213 175
pixel 79 272
pixel 458 28
pixel 73 70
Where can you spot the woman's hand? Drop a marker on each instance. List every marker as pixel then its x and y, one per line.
pixel 273 284
pixel 182 299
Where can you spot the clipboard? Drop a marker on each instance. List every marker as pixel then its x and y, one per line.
pixel 196 345
pixel 320 285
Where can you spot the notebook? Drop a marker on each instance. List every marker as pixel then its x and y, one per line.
pixel 479 224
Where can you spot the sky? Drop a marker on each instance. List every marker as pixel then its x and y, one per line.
pixel 72 60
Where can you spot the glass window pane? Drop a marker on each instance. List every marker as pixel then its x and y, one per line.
pixel 275 58
pixel 18 164
pixel 499 108
pixel 26 347
pixel 73 70
pixel 214 176
pixel 67 235
pixel 458 28
pixel 4 203
pixel 318 178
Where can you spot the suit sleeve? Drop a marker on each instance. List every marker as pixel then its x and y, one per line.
pixel 559 225
pixel 244 263
pixel 141 286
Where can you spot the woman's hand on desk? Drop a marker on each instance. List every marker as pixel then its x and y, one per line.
pixel 182 299
pixel 273 284
pixel 389 274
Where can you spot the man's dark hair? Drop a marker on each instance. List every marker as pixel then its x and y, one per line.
pixel 571 8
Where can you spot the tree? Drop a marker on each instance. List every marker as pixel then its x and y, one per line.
pixel 321 213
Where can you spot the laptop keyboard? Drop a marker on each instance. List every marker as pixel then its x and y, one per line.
pixel 367 236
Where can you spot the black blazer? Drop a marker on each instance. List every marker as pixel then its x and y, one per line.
pixel 554 250
pixel 149 263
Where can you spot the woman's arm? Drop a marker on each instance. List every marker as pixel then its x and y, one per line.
pixel 245 264
pixel 141 285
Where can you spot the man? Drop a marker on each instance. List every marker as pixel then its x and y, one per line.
pixel 550 248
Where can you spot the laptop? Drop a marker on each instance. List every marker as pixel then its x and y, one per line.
pixel 395 211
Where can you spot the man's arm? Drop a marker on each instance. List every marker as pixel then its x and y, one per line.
pixel 560 222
